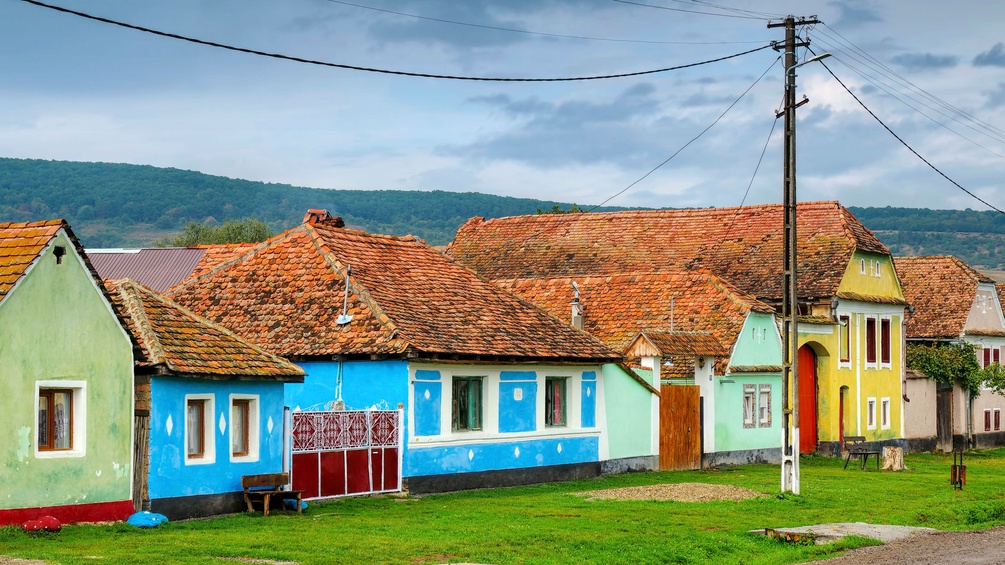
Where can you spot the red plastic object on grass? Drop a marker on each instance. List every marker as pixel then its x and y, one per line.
pixel 50 523
pixel 32 526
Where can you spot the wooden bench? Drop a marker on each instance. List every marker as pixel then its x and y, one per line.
pixel 855 446
pixel 268 486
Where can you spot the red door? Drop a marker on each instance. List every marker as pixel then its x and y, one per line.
pixel 807 400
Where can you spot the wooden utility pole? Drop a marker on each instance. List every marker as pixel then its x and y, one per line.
pixel 790 304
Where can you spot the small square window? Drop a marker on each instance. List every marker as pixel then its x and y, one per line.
pixel 884 413
pixel 466 413
pixel 987 420
pixel 998 420
pixel 55 419
pixel 554 401
pixel 871 413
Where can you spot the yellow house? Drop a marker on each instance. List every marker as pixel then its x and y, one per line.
pixel 851 358
pixel 851 304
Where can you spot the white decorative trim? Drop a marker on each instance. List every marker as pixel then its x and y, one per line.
pixel 209 437
pixel 253 431
pixel 78 414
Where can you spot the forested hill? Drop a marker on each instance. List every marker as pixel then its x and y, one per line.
pixel 116 205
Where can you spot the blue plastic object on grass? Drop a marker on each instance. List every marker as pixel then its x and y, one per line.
pixel 146 519
pixel 291 504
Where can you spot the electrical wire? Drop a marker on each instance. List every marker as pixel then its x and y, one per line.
pixel 693 139
pixel 687 11
pixel 743 201
pixel 835 36
pixel 936 105
pixel 754 13
pixel 890 92
pixel 904 143
pixel 544 34
pixel 375 70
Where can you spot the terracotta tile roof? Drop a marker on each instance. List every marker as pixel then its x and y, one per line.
pixel 20 245
pixel 405 299
pixel 942 290
pixel 215 255
pixel 174 341
pixel 685 343
pixel 618 307
pixel 743 245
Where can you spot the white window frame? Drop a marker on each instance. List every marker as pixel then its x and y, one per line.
pixel 78 438
pixel 884 413
pixel 209 437
pixel 253 431
pixel 764 393
pixel 749 406
pixel 870 413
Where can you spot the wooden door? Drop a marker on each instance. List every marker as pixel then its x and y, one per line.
pixel 680 427
pixel 944 418
pixel 807 400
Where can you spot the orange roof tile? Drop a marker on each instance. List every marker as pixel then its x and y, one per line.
pixel 175 341
pixel 405 299
pixel 218 254
pixel 942 290
pixel 685 343
pixel 743 245
pixel 20 244
pixel 618 307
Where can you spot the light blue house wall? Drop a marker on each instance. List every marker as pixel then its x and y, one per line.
pixel 172 474
pixel 513 434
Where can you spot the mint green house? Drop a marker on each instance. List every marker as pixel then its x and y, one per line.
pixel 740 383
pixel 67 383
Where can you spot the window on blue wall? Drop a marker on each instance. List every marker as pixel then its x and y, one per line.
pixel 467 404
pixel 243 427
pixel 554 401
pixel 200 449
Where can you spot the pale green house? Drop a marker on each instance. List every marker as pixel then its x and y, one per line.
pixel 67 383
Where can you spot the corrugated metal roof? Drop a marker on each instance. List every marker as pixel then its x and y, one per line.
pixel 156 268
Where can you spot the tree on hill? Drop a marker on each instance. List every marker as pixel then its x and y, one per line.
pixel 247 230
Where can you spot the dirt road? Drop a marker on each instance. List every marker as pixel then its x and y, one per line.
pixel 943 548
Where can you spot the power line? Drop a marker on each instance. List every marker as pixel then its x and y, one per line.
pixel 375 70
pixel 904 143
pixel 544 34
pixel 689 11
pixel 693 139
pixel 754 13
pixel 888 89
pixel 729 227
pixel 837 37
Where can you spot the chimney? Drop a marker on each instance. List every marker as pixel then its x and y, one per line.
pixel 578 311
pixel 316 216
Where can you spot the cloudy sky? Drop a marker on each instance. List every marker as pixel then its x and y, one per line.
pixel 933 71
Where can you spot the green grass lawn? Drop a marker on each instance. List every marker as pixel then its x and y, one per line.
pixel 548 524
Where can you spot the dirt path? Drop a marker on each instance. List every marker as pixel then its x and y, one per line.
pixel 942 548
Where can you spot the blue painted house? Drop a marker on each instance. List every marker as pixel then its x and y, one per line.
pixel 493 390
pixel 209 407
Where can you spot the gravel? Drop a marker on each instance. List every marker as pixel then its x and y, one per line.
pixel 681 492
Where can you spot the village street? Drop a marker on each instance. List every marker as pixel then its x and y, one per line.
pixel 962 548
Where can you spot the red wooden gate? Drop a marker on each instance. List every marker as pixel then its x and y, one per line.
pixel 339 453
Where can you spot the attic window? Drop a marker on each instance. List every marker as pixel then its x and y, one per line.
pixel 59 251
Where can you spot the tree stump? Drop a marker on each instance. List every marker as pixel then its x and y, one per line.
pixel 893 459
